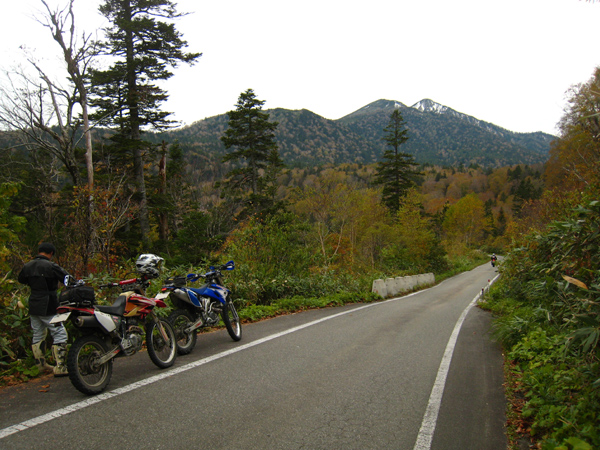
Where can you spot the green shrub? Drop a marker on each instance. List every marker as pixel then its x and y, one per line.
pixel 15 329
pixel 560 394
pixel 547 309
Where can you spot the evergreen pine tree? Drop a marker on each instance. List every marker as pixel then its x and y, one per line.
pixel 501 223
pixel 255 152
pixel 124 95
pixel 490 228
pixel 395 172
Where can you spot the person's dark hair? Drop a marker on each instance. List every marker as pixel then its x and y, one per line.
pixel 47 247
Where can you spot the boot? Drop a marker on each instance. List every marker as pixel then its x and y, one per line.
pixel 60 355
pixel 40 359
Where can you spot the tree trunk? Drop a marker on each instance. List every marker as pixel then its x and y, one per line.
pixel 163 224
pixel 134 123
pixel 73 59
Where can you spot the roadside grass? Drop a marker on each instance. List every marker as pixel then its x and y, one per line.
pixel 553 400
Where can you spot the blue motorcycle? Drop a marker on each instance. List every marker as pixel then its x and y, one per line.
pixel 200 307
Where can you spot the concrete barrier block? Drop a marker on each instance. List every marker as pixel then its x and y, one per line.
pixel 390 284
pixel 394 286
pixel 431 278
pixel 380 288
pixel 400 285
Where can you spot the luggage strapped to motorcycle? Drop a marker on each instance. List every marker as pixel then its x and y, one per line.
pixel 176 281
pixel 79 295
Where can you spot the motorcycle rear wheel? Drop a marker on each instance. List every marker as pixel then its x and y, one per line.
pixel 232 321
pixel 84 372
pixel 161 352
pixel 181 319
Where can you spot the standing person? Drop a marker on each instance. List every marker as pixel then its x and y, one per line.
pixel 43 276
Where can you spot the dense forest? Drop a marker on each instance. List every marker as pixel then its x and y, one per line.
pixel 86 166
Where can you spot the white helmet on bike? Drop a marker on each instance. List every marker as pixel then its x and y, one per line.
pixel 149 264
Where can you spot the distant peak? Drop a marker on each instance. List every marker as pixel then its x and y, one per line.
pixel 386 104
pixel 427 105
pixel 378 105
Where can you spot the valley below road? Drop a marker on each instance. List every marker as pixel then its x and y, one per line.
pixel 384 375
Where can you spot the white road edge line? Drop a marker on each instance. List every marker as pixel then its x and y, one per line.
pixel 425 436
pixel 423 440
pixel 125 389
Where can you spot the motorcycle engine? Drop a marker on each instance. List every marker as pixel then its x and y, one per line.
pixel 211 310
pixel 133 341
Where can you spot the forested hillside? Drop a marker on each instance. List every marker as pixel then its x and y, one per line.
pixel 440 135
pixel 445 138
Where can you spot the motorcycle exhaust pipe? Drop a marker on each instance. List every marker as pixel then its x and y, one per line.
pixel 86 321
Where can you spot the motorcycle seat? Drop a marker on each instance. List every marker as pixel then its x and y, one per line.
pixel 117 308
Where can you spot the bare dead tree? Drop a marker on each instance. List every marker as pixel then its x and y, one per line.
pixel 78 58
pixel 42 114
pixel 51 117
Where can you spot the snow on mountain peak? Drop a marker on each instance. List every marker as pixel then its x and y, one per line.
pixel 427 105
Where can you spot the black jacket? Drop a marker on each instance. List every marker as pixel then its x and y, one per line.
pixel 42 276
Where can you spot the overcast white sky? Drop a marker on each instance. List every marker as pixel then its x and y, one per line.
pixel 508 62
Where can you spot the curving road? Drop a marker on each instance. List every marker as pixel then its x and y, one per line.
pixel 418 372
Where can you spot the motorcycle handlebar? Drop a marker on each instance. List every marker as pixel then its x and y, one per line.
pixel 193 276
pixel 121 283
pixel 215 272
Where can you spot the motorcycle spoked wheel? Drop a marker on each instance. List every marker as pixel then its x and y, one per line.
pixel 161 352
pixel 181 319
pixel 85 374
pixel 232 321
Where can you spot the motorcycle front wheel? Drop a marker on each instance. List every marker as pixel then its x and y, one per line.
pixel 85 373
pixel 161 349
pixel 181 319
pixel 232 321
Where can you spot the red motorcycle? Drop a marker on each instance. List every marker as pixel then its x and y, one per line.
pixel 113 331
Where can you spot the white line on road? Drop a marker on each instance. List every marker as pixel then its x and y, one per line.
pixel 428 425
pixel 130 387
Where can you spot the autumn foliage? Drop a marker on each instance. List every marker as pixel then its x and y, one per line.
pixel 547 303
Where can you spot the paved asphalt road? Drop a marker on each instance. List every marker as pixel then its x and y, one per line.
pixel 377 376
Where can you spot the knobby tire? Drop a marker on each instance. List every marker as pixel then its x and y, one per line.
pixel 84 373
pixel 181 319
pixel 232 321
pixel 161 352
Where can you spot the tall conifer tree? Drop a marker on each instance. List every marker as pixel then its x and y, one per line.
pixel 125 97
pixel 252 138
pixel 396 171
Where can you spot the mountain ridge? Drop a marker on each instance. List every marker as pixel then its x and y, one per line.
pixel 437 134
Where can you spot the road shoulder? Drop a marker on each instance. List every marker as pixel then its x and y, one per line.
pixel 473 405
